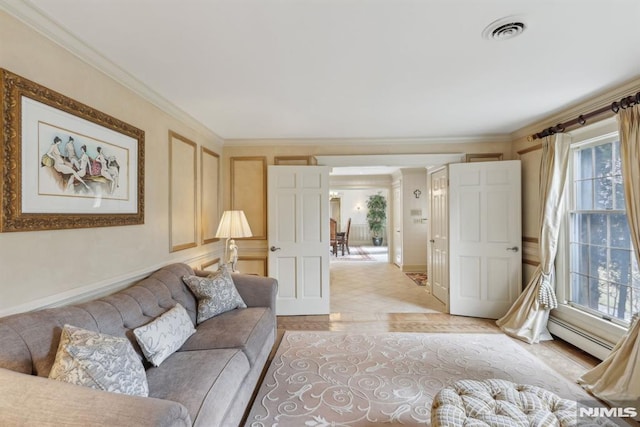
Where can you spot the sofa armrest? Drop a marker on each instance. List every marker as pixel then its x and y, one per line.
pixel 28 400
pixel 257 291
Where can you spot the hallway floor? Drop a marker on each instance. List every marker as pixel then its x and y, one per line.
pixel 377 287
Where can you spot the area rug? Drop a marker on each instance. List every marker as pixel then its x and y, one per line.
pixel 419 279
pixel 322 379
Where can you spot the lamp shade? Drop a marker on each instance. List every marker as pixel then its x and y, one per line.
pixel 233 225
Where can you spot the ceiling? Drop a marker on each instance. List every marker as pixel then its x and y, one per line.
pixel 265 69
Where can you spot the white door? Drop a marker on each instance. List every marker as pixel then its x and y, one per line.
pixel 485 236
pixel 396 229
pixel 298 237
pixel 438 269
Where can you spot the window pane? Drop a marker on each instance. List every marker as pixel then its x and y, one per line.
pixel 580 289
pixel 598 229
pixel 620 237
pixel 594 293
pixel 619 196
pixel 579 258
pixel 620 266
pixel 580 228
pixel 622 303
pixel 597 261
pixel 584 195
pixel 603 159
pixel 585 163
pixel 604 193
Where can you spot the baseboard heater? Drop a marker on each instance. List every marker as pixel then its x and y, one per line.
pixel 580 338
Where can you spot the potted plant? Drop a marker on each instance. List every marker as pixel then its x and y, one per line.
pixel 376 216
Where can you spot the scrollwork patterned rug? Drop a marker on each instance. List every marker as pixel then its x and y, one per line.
pixel 322 379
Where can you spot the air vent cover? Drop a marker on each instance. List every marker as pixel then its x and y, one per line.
pixel 504 29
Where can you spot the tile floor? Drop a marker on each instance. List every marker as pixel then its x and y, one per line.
pixel 377 287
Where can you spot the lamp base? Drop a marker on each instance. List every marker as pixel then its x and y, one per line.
pixel 232 255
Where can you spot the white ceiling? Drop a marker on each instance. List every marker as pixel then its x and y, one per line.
pixel 360 68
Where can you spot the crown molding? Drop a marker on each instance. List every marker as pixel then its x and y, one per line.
pixel 604 98
pixel 36 19
pixel 258 142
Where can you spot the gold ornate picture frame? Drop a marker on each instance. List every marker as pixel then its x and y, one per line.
pixel 64 164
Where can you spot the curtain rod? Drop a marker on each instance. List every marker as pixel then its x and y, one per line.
pixel 581 120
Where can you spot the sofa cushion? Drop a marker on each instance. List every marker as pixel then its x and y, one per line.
pixel 160 338
pixel 247 329
pixel 216 294
pixel 205 382
pixel 99 361
pixel 15 354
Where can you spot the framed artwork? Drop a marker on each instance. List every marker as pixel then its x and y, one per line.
pixel 209 194
pixel 64 164
pixel 249 192
pixel 182 192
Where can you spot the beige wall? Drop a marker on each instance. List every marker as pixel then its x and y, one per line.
pixel 41 267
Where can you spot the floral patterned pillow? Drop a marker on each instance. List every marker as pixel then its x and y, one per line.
pixel 99 361
pixel 161 337
pixel 215 293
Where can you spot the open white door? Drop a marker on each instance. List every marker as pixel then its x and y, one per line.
pixel 438 270
pixel 298 237
pixel 485 238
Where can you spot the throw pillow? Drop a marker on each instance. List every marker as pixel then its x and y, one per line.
pixel 160 338
pixel 99 361
pixel 215 293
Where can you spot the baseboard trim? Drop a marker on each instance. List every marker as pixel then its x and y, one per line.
pixel 417 268
pixel 580 338
pixel 95 290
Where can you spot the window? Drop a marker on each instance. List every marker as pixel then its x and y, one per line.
pixel 603 272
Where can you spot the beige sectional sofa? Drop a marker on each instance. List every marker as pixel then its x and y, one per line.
pixel 209 381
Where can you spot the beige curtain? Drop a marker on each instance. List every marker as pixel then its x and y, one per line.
pixel 617 379
pixel 527 318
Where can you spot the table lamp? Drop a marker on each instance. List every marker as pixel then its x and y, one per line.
pixel 233 224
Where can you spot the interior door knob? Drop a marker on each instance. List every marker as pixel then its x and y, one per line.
pixel 513 249
pixel 273 249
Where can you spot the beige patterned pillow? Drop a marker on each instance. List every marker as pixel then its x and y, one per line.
pixel 160 338
pixel 215 293
pixel 99 361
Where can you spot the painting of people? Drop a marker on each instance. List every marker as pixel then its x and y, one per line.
pixel 65 164
pixel 77 165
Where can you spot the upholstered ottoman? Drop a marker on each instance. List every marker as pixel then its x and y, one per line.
pixel 502 403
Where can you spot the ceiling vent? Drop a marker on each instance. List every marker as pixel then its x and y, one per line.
pixel 504 29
